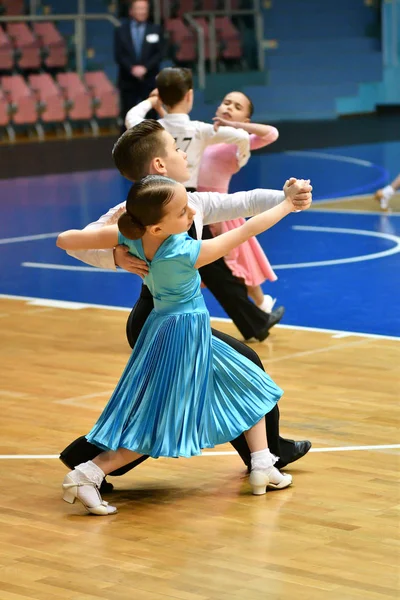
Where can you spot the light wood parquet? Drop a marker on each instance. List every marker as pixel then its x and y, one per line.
pixel 192 530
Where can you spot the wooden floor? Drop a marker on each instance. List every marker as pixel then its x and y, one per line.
pixel 365 202
pixel 192 530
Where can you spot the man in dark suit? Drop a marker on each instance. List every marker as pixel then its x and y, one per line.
pixel 138 50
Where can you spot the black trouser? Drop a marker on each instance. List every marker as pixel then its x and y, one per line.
pixel 133 94
pixel 232 295
pixel 81 450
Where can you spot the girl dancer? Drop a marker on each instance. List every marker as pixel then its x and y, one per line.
pixel 385 194
pixel 182 389
pixel 218 164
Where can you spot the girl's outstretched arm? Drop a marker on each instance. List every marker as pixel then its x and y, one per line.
pixel 221 245
pixel 88 239
pixel 260 135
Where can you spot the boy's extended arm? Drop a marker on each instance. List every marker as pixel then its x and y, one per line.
pixel 228 135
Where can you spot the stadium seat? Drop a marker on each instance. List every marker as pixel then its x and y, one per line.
pixel 229 38
pixel 13 7
pixel 51 101
pixel 22 102
pixel 79 101
pixel 5 117
pixel 209 5
pixel 186 6
pixel 6 52
pixel 26 45
pixel 183 39
pixel 52 43
pixel 105 96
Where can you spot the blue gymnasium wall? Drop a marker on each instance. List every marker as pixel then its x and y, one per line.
pixel 324 59
pixel 385 90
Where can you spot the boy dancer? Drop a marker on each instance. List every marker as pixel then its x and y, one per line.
pixel 149 149
pixel 175 91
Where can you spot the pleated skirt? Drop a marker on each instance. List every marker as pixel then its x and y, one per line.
pixel 183 390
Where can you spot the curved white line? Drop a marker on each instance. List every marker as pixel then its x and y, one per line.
pixel 28 238
pixel 36 265
pixel 340 261
pixel 336 157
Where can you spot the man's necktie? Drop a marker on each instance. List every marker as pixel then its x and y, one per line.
pixel 138 39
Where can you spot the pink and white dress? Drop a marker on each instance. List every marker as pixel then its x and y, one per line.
pixel 218 164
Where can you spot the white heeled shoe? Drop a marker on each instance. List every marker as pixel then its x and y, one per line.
pixel 278 480
pixel 71 493
pixel 271 478
pixel 259 481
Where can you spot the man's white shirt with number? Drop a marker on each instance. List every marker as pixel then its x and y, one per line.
pixel 193 136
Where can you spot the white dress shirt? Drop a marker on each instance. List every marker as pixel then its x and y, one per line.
pixel 193 136
pixel 211 207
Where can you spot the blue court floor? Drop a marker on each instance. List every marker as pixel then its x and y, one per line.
pixel 337 270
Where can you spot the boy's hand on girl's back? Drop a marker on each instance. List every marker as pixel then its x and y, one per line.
pixel 130 263
pixel 299 193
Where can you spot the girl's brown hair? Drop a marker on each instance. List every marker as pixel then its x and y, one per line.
pixel 145 205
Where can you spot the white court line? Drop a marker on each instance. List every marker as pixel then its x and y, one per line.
pixel 354 211
pixel 56 304
pixel 311 352
pixel 340 261
pixel 76 401
pixel 28 238
pixel 59 267
pixel 322 263
pixel 61 303
pixel 334 157
pixel 211 453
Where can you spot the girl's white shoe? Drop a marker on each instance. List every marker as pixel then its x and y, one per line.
pixel 278 480
pixel 75 490
pixel 271 478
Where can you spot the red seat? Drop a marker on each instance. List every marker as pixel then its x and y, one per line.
pixel 186 6
pixel 52 104
pixel 24 104
pixel 26 44
pixel 225 28
pixel 78 97
pixel 209 5
pixel 183 38
pixel 6 52
pixel 105 96
pixel 229 38
pixel 53 43
pixel 4 110
pixel 13 7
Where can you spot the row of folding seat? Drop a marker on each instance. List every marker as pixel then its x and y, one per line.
pixel 12 7
pixel 43 100
pixel 180 7
pixel 184 39
pixel 26 48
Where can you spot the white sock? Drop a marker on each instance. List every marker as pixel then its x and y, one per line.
pixel 88 473
pixel 267 304
pixel 387 194
pixel 91 472
pixel 262 460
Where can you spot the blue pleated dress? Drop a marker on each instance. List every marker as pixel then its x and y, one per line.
pixel 182 389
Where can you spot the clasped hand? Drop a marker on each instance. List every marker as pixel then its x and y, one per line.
pixel 298 192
